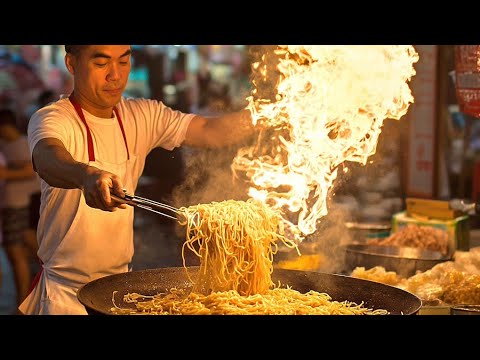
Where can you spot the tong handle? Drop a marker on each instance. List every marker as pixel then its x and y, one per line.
pixel 127 200
pixel 144 204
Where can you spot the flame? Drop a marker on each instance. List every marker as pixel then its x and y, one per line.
pixel 327 107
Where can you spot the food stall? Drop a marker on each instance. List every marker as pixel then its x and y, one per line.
pixel 308 137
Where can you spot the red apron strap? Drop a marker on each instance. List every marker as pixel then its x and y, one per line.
pixel 123 131
pixel 91 152
pixel 36 278
pixel 78 109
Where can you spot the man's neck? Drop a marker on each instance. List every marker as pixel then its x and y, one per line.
pixel 105 113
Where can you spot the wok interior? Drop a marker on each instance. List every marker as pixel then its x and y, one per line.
pixel 96 296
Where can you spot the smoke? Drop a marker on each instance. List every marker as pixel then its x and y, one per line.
pixel 208 178
pixel 208 173
pixel 330 238
pixel 327 242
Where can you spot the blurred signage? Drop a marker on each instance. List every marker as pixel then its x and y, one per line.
pixel 421 165
pixel 467 78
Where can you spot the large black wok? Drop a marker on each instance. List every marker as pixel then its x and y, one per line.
pixel 96 296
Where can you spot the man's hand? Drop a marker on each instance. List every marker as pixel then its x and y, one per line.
pixel 56 166
pixel 96 188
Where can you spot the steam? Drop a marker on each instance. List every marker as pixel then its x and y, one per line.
pixel 316 108
pixel 208 178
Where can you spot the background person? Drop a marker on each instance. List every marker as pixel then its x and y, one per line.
pixel 8 293
pixel 21 183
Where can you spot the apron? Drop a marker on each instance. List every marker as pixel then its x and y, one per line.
pixel 97 244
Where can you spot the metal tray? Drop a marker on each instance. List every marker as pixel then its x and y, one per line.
pixel 465 309
pixel 405 261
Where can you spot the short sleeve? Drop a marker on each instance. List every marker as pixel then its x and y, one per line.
pixel 47 122
pixel 159 125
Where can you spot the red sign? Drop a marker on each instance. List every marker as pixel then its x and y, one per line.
pixel 420 177
pixel 467 78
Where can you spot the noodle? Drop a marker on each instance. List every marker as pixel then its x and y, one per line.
pixel 236 241
pixel 278 301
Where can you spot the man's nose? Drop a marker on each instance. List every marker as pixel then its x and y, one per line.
pixel 114 73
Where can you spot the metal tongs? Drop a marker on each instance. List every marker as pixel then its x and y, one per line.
pixel 150 205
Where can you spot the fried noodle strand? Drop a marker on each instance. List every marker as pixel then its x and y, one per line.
pixel 236 242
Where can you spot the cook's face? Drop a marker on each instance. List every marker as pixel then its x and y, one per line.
pixel 101 73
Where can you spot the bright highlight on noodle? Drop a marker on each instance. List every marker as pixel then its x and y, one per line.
pixel 278 301
pixel 236 241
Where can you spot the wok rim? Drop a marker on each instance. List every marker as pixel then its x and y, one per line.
pixel 415 302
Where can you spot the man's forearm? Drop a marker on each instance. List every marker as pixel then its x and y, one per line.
pixel 220 131
pixel 55 165
pixel 235 127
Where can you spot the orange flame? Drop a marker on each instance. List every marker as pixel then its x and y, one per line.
pixel 328 107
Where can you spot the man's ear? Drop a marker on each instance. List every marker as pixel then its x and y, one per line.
pixel 69 63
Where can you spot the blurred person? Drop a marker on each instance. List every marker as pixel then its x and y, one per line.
pixel 180 79
pixel 24 83
pixel 240 85
pixel 45 97
pixel 203 78
pixel 21 183
pixel 8 294
pixel 218 100
pixel 89 145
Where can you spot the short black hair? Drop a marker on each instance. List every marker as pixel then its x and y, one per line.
pixel 73 49
pixel 45 96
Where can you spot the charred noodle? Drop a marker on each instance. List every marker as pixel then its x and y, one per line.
pixel 236 241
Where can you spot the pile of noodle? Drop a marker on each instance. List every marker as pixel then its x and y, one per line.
pixel 277 301
pixel 236 241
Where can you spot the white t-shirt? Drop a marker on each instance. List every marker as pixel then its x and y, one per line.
pixel 17 193
pixel 147 123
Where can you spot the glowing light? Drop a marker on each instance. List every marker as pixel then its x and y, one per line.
pixel 328 107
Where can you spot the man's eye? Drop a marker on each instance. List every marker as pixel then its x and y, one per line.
pixel 123 62
pixel 100 65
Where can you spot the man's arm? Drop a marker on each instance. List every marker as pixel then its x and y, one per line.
pixel 56 166
pixel 219 131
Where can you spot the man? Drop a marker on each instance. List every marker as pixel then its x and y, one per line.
pixel 90 145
